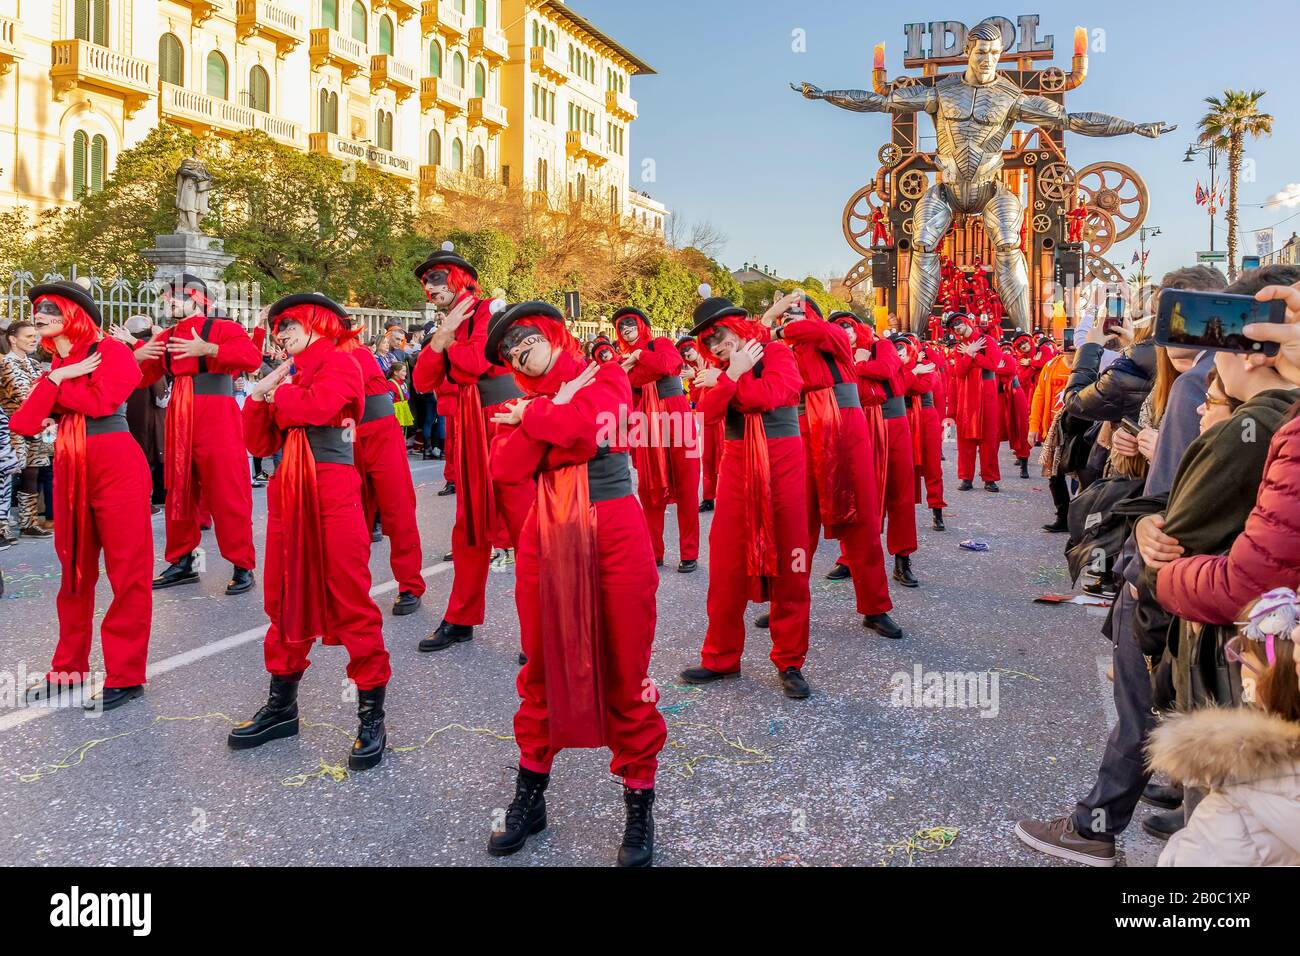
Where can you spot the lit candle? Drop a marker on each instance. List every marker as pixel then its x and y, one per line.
pixel 1080 41
pixel 878 62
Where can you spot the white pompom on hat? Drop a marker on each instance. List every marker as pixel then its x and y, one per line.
pixel 705 290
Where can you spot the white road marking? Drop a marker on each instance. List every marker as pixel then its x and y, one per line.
pixel 185 658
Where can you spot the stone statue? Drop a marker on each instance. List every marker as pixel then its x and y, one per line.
pixel 193 182
pixel 973 112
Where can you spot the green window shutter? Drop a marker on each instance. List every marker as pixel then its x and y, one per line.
pixel 98 163
pixel 100 10
pixel 385 35
pixel 458 71
pixel 480 80
pixel 334 112
pixel 435 59
pixel 329 13
pixel 217 75
pixel 78 164
pixel 81 20
pixel 170 62
pixel 435 148
pixel 358 22
pixel 480 13
pixel 457 156
pixel 259 89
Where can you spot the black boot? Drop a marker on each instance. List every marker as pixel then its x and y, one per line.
pixel 278 718
pixel 448 556
pixel 448 489
pixel 703 675
pixel 706 504
pixel 406 603
pixel 427 455
pixel 526 815
pixel 638 847
pixel 991 486
pixel 938 524
pixel 110 698
pixel 1024 467
pixel 883 625
pixel 447 635
pixel 242 580
pixel 1164 796
pixel 763 620
pixel 180 572
pixel 687 567
pixel 840 572
pixel 1164 825
pixel 903 571
pixel 965 485
pixel 368 748
pixel 794 685
pixel 1062 522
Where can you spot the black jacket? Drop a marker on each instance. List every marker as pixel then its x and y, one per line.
pixel 1115 393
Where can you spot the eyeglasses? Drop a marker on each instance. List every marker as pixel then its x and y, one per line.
pixel 1234 653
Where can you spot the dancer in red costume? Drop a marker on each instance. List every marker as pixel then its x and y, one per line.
pixel 386 486
pixel 101 496
pixel 1015 409
pixel 975 399
pixel 694 360
pixel 922 379
pixel 488 513
pixel 839 460
pixel 585 578
pixel 317 542
pixel 448 394
pixel 668 460
pixel 205 455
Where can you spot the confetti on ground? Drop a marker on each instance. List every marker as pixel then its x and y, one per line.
pixel 686 767
pixel 928 840
pixel 1013 673
pixel 675 709
pixel 1045 576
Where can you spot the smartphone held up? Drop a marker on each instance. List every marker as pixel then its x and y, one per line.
pixel 1215 320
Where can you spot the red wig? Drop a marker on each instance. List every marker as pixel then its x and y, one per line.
pixel 743 327
pixel 78 326
pixel 458 280
pixel 320 321
pixel 561 341
pixel 644 334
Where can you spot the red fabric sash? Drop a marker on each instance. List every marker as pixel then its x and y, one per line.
pixel 832 471
pixel 71 481
pixel 970 404
pixel 569 600
pixel 761 552
pixel 179 450
pixel 914 423
pixel 473 479
pixel 652 456
pixel 878 432
pixel 302 586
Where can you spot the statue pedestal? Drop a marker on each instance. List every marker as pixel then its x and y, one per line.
pixel 192 252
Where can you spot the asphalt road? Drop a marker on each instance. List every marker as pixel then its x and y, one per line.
pixel 848 777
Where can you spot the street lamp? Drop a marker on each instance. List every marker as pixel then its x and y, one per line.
pixel 1145 233
pixel 1212 155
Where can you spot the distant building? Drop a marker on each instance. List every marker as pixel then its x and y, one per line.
pixel 753 273
pixel 1287 255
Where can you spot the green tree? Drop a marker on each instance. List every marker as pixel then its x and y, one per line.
pixel 1227 123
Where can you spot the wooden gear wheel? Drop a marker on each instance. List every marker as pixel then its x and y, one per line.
pixel 1055 181
pixel 1098 232
pixel 1099 268
pixel 1051 80
pixel 1041 222
pixel 1116 190
pixel 857 223
pixel 913 183
pixel 890 155
pixel 858 273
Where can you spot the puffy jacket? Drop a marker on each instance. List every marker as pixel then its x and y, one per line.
pixel 1051 382
pixel 1250 761
pixel 1115 393
pixel 1212 589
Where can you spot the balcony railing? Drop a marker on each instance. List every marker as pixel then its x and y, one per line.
pixel 584 145
pixel 333 48
pixel 620 105
pixel 346 150
pixel 11 39
pixel 436 91
pixel 201 112
pixel 489 44
pixel 547 64
pixel 388 71
pixel 441 17
pixel 279 24
pixel 484 113
pixel 77 64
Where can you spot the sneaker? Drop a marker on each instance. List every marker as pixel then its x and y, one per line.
pixel 1059 838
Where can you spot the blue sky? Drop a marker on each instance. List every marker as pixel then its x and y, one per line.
pixel 734 146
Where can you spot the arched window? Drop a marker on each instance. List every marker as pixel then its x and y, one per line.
pixel 329 112
pixel 329 13
pixel 171 60
pixel 536 34
pixel 480 162
pixel 613 200
pixel 89 164
pixel 91 21
pixel 480 13
pixel 217 85
pixel 98 162
pixel 259 89
pixel 457 155
pixel 435 59
pixel 480 80
pixel 458 70
pixel 435 148
pixel 385 35
pixel 80 149
pixel 541 175
pixel 358 21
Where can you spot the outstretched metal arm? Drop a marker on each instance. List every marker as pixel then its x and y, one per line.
pixel 911 99
pixel 1041 111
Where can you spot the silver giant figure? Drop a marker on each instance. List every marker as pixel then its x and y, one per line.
pixel 973 113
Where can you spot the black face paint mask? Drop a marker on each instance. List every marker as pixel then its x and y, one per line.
pixel 435 278
pixel 515 336
pixel 49 309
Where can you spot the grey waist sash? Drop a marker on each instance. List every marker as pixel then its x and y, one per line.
pixel 893 408
pixel 1015 383
pixel 214 383
pixel 329 446
pixel 609 476
pixel 927 400
pixel 987 375
pixel 495 389
pixel 108 424
pixel 669 386
pixel 847 396
pixel 780 422
pixel 377 407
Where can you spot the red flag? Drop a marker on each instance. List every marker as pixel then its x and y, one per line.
pixel 1135 258
pixel 1200 194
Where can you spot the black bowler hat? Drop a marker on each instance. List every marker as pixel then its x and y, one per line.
pixel 625 312
pixel 712 310
pixel 686 340
pixel 304 298
pixel 843 314
pixel 70 291
pixel 185 282
pixel 446 257
pixel 501 322
pixel 956 317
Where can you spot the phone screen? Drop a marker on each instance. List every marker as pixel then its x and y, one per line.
pixel 1067 338
pixel 1214 320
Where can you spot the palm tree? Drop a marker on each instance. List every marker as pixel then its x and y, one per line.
pixel 1227 124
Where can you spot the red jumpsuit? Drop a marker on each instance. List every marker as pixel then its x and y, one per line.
pixel 926 420
pixel 205 452
pixel 825 361
pixel 103 508
pixel 712 442
pixel 1015 407
pixel 447 405
pixel 659 367
pixel 386 485
pixel 488 513
pixel 774 384
pixel 978 411
pixel 326 393
pixel 885 368
pixel 550 439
